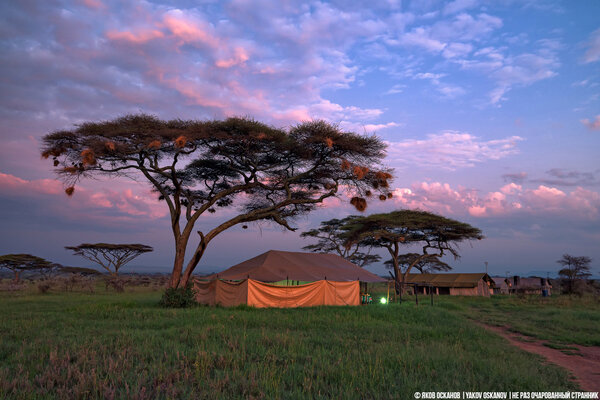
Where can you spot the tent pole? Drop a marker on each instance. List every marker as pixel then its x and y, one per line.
pixel 416 289
pixel 431 293
pixel 388 293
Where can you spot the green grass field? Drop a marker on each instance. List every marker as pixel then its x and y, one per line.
pixel 559 319
pixel 107 345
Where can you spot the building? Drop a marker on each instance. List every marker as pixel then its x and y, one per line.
pixel 531 285
pixel 502 285
pixel 466 284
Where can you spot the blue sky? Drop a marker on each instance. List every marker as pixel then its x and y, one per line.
pixel 490 109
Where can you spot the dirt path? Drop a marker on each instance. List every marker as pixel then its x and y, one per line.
pixel 583 362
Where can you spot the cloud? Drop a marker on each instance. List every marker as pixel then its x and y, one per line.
pixel 85 203
pixel 510 200
pixel 592 125
pixel 592 54
pixel 518 177
pixel 138 37
pixel 562 177
pixel 450 150
pixel 447 90
pixel 459 5
pixel 420 37
pixel 509 71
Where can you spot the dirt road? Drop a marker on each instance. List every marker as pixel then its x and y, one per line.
pixel 583 361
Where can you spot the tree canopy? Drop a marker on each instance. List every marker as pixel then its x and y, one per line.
pixel 330 239
pixel 79 271
pixel 424 265
pixel 576 268
pixel 436 234
pixel 197 166
pixel 110 256
pixel 25 262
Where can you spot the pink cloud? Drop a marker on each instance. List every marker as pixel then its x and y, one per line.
pixel 240 56
pixel 95 4
pixel 511 199
pixel 190 29
pixel 593 52
pixel 86 200
pixel 511 188
pixel 592 125
pixel 14 186
pixel 139 37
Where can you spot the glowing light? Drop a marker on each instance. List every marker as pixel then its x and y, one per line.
pixel 383 300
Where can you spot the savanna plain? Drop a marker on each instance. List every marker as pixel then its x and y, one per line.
pixel 107 345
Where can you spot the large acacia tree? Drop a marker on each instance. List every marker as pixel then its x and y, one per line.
pixel 197 166
pixel 330 238
pixel 437 235
pixel 110 256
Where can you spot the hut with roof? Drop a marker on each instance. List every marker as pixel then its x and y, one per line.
pixel 286 279
pixel 460 284
pixel 531 285
pixel 502 285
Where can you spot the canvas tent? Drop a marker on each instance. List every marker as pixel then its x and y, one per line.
pixel 333 281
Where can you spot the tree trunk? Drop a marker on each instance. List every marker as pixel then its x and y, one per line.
pixel 194 261
pixel 180 246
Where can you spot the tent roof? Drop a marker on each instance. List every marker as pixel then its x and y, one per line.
pixel 450 280
pixel 274 266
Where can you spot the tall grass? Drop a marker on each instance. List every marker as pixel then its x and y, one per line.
pixel 124 346
pixel 560 319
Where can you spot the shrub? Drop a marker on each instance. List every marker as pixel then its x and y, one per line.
pixel 43 287
pixel 178 297
pixel 116 283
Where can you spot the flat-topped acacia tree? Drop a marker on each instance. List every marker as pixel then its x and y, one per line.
pixel 25 262
pixel 110 256
pixel 196 166
pixel 436 234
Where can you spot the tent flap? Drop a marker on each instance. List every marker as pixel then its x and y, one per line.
pixel 261 295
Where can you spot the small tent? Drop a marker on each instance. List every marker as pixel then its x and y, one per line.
pixel 332 280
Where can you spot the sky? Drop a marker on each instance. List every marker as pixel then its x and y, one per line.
pixel 490 110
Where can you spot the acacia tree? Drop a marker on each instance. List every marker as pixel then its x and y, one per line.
pixel 424 265
pixel 331 239
pixel 24 262
pixel 576 268
pixel 196 166
pixel 109 256
pixel 438 236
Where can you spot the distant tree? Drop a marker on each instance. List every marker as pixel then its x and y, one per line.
pixel 79 270
pixel 111 257
pixel 576 269
pixel 438 235
pixel 330 239
pixel 424 265
pixel 49 271
pixel 18 263
pixel 196 166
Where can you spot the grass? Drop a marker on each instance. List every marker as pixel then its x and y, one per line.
pixel 102 345
pixel 559 319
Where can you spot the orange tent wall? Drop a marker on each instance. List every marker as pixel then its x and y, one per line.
pixel 261 295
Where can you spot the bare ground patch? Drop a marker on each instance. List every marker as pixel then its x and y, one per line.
pixel 582 361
